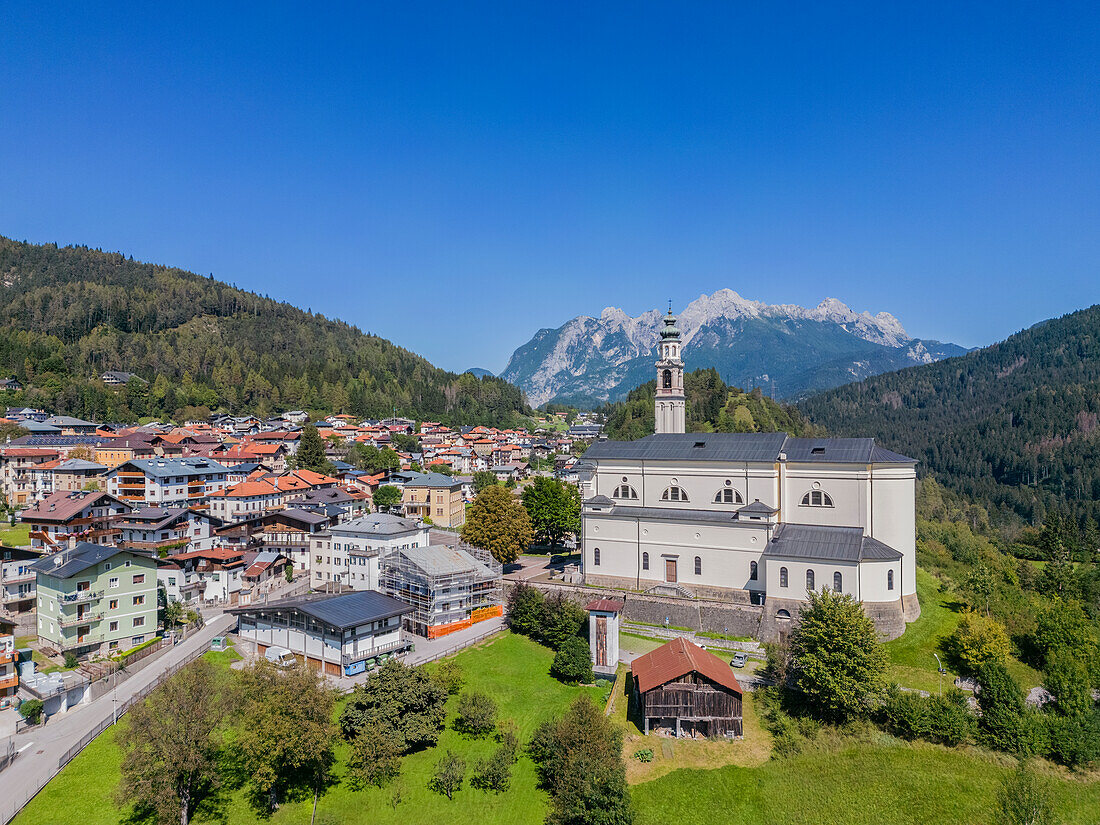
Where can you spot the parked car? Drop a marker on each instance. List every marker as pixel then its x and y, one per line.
pixel 280 656
pixel 738 660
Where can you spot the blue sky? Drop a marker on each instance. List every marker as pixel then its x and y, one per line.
pixel 454 176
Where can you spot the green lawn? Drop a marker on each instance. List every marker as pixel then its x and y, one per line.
pixel 512 669
pixel 864 784
pixel 912 664
pixel 15 536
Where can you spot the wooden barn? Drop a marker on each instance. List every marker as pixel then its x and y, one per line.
pixel 682 688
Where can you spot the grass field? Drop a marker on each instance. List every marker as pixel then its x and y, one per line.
pixel 15 536
pixel 887 783
pixel 912 664
pixel 511 669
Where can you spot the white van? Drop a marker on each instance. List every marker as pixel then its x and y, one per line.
pixel 280 656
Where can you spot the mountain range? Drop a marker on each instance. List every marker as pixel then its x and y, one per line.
pixel 1014 426
pixel 788 350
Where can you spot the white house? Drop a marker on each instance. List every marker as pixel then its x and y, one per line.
pixel 348 553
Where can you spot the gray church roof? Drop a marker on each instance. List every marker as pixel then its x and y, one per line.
pixel 754 447
pixel 820 543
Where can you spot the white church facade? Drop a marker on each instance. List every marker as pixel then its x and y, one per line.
pixel 755 518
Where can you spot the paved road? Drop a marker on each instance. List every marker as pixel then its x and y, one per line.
pixel 41 747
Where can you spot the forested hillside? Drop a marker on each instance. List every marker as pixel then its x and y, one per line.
pixel 71 313
pixel 1014 426
pixel 712 406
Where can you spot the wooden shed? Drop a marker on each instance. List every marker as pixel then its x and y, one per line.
pixel 681 687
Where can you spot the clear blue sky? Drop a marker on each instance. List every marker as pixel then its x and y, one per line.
pixel 454 176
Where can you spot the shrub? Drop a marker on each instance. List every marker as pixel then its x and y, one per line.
pixel 906 714
pixel 449 772
pixel 1074 740
pixel 495 773
pixel 952 721
pixel 562 619
pixel 525 610
pixel 31 710
pixel 449 676
pixel 1001 724
pixel 70 660
pixel 1068 679
pixel 978 639
pixel 1025 799
pixel 573 662
pixel 477 714
pixel 645 755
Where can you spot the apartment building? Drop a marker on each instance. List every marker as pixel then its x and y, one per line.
pixel 86 515
pixel 436 497
pixel 95 599
pixel 169 482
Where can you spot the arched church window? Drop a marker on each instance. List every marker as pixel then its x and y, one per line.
pixel 809 580
pixel 674 493
pixel 596 557
pixel 838 582
pixel 754 571
pixel 666 379
pixel 782 576
pixel 645 561
pixel 698 566
pixel 889 579
pixel 728 495
pixel 817 498
pixel 625 491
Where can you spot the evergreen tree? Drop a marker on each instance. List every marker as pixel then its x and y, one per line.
pixel 311 451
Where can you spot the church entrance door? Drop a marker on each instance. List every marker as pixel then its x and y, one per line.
pixel 670 570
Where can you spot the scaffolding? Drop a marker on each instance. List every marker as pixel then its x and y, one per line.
pixel 448 588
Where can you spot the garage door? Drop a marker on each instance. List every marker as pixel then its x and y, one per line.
pixel 261 650
pixel 332 669
pixel 313 663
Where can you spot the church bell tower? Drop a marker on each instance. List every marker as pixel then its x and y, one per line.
pixel 670 405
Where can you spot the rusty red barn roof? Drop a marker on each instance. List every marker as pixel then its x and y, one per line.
pixel 677 658
pixel 606 605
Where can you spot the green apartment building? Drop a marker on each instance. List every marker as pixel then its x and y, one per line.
pixel 94 598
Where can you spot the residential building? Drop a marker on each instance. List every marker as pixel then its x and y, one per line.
pixel 348 552
pixel 338 635
pixel 71 426
pixel 167 482
pixel 115 451
pixel 17 579
pixel 287 531
pixel 9 664
pixel 264 572
pixel 94 598
pixel 21 487
pixel 352 501
pixel 87 515
pixel 211 576
pixel 75 474
pixel 448 588
pixel 118 378
pixel 166 529
pixel 435 497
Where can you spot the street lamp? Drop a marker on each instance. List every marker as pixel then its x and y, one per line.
pixel 940 668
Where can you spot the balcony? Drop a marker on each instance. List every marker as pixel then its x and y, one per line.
pixel 79 597
pixel 349 658
pixel 9 681
pixel 85 618
pixel 18 578
pixel 68 643
pixel 12 598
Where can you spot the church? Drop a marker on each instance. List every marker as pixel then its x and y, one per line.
pixel 749 518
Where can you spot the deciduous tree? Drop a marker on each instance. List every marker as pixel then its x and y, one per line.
pixel 170 744
pixel 555 509
pixel 837 661
pixel 496 522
